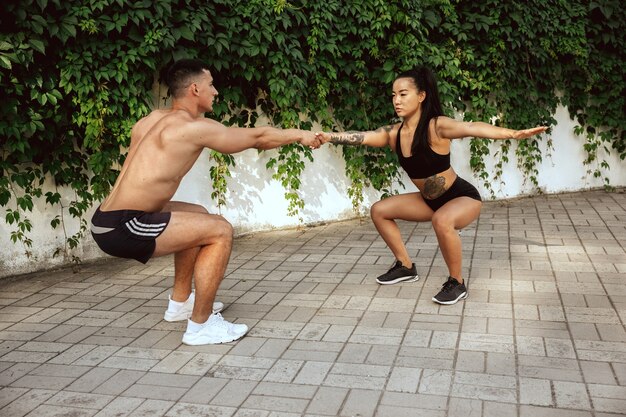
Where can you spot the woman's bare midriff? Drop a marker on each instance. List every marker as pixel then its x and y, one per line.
pixel 434 186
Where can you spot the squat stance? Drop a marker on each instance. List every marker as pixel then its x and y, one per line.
pixel 422 143
pixel 137 220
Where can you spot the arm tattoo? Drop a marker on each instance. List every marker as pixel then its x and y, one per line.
pixel 347 138
pixel 434 187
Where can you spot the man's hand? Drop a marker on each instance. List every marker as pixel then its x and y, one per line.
pixel 310 139
pixel 323 137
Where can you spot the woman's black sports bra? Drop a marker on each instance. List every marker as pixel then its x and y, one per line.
pixel 423 164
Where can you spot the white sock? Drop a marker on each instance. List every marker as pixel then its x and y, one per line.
pixel 177 305
pixel 193 327
pixel 174 305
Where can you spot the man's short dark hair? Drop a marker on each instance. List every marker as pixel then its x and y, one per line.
pixel 181 73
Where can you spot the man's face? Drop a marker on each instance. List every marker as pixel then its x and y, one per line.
pixel 206 91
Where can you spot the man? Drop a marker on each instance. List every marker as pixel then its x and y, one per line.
pixel 137 220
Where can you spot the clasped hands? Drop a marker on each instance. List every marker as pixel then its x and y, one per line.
pixel 314 139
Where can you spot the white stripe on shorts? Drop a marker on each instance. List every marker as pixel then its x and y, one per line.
pixel 145 229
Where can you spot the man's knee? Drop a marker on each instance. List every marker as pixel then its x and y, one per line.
pixel 224 229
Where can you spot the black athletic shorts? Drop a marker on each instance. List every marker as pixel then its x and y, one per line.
pixel 128 233
pixel 459 188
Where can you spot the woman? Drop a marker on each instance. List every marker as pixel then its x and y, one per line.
pixel 422 143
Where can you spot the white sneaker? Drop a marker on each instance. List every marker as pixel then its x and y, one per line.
pixel 185 311
pixel 215 330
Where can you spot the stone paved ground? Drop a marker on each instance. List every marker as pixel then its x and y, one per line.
pixel 541 335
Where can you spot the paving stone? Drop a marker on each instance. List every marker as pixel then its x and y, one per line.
pixel 495 409
pixel 461 407
pixel 119 407
pixel 26 403
pixel 46 410
pixel 360 402
pixel 152 408
pixel 534 411
pixel 535 391
pixel 571 395
pixel 327 401
pixel 119 382
pixel 8 394
pixel 80 400
pixel 198 410
pixel 597 373
pixel 313 373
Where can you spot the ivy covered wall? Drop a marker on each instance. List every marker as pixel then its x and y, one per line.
pixel 76 75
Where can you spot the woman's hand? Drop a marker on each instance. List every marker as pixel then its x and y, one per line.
pixel 323 137
pixel 526 133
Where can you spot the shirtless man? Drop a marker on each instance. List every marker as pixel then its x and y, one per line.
pixel 137 220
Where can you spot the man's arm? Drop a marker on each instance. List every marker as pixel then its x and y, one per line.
pixel 452 129
pixel 377 138
pixel 214 135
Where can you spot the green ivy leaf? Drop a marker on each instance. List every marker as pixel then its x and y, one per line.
pixel 4 62
pixel 37 45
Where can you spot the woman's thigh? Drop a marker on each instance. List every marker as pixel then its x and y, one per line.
pixel 409 206
pixel 459 212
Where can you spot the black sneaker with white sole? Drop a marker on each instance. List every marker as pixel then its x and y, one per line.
pixel 398 273
pixel 451 292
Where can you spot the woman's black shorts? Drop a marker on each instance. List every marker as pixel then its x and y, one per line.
pixel 459 188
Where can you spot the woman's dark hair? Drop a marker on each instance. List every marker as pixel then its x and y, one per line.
pixel 180 74
pixel 424 80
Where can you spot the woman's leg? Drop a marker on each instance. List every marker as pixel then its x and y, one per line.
pixel 409 207
pixel 452 216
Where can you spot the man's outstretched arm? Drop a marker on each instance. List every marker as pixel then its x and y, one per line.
pixel 214 135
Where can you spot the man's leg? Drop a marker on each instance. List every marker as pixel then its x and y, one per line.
pixel 182 301
pixel 185 260
pixel 212 235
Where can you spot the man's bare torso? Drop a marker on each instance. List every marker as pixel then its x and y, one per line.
pixel 160 154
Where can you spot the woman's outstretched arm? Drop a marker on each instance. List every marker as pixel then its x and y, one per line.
pixel 376 138
pixel 452 129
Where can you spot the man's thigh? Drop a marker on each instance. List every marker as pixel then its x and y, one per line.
pixel 192 229
pixel 183 206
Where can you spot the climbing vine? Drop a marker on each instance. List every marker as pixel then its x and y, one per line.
pixel 219 173
pixel 77 75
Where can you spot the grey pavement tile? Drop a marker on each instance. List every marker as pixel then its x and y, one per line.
pixel 425 358
pixel 26 403
pixel 462 407
pixel 46 410
pixel 14 371
pixel 535 392
pixel 327 401
pixel 79 400
pixel 152 408
pixel 199 410
pixel 8 394
pixel 534 411
pixel 117 383
pixel 154 392
pixel 205 390
pixel 271 403
pixel 361 402
pixel 119 407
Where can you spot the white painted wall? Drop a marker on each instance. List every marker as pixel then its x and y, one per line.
pixel 256 202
